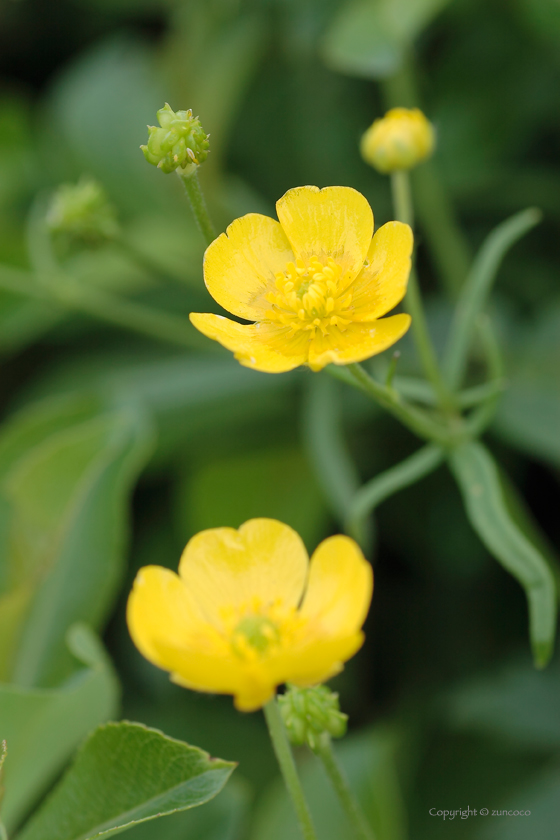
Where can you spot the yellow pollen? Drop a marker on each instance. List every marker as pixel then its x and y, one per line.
pixel 313 297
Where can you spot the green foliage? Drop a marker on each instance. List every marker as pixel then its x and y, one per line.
pixel 370 38
pixel 43 725
pixel 125 774
pixel 486 507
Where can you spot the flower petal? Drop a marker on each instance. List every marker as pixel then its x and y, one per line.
pixel 357 342
pixel 382 283
pixel 262 563
pixel 315 662
pixel 161 614
pixel 266 346
pixel 336 222
pixel 339 589
pixel 240 265
pixel 225 675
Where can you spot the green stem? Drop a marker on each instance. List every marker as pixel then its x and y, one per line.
pixel 402 200
pixel 286 761
pixel 340 784
pixel 412 469
pixel 413 418
pixel 448 245
pixel 198 204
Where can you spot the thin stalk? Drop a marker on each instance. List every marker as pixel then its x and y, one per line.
pixel 412 469
pixel 448 246
pixel 345 795
pixel 287 764
pixel 402 201
pixel 413 418
pixel 198 204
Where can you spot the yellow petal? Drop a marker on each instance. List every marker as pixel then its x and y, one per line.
pixel 336 222
pixel 382 283
pixel 240 265
pixel 162 613
pixel 265 346
pixel 339 589
pixel 263 562
pixel 314 662
pixel 357 342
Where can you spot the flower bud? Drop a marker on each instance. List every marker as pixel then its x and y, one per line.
pixel 179 143
pixel 83 211
pixel 399 140
pixel 309 713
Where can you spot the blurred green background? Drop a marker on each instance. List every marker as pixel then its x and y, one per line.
pixel 446 709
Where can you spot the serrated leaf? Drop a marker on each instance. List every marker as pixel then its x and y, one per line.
pixel 125 774
pixel 369 37
pixel 479 481
pixel 43 726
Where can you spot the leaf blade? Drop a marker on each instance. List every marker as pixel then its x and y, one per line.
pixel 478 478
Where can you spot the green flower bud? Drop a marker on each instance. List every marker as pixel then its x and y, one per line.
pixel 309 713
pixel 83 211
pixel 179 143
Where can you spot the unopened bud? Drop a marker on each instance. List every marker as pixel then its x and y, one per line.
pixel 83 211
pixel 309 713
pixel 399 140
pixel 179 143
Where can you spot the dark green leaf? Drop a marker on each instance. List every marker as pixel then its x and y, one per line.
pixel 43 726
pixel 124 774
pixel 479 481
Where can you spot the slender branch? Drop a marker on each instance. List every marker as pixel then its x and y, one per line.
pixel 286 761
pixel 402 201
pixel 198 204
pixel 412 469
pixel 343 790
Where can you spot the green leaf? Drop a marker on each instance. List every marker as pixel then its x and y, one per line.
pixel 124 774
pixel 370 37
pixel 43 726
pixel 67 533
pixel 369 761
pixel 477 288
pixel 479 481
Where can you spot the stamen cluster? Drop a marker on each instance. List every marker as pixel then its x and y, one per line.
pixel 311 297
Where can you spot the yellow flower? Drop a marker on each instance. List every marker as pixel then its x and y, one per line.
pixel 248 611
pixel 400 140
pixel 316 283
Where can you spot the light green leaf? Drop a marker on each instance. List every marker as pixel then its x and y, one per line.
pixel 67 533
pixel 369 37
pixel 126 773
pixel 369 761
pixel 43 726
pixel 479 481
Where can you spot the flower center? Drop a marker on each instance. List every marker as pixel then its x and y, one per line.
pixel 313 297
pixel 253 636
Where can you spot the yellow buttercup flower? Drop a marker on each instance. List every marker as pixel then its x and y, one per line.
pixel 316 283
pixel 248 611
pixel 400 140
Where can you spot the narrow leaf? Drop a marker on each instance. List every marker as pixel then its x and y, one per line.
pixel 477 287
pixel 479 481
pixel 125 774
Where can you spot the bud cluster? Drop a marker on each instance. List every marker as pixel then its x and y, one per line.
pixel 82 211
pixel 179 143
pixel 309 713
